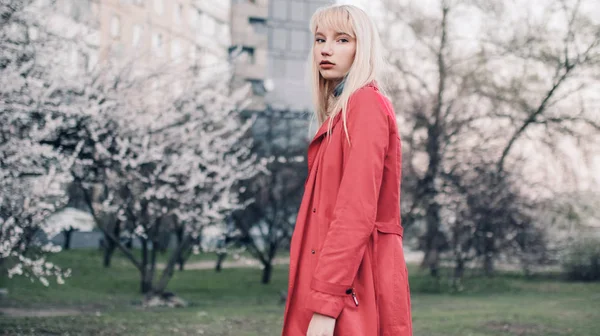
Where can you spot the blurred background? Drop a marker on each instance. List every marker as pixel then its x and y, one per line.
pixel 152 161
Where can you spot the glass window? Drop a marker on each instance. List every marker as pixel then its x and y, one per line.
pixel 176 50
pixel 280 9
pixel 279 38
pixel 194 17
pixel 259 25
pixel 279 68
pixel 248 53
pixel 178 13
pixel 157 42
pixel 298 11
pixel 137 35
pixel 299 40
pixel 294 69
pixel 158 6
pixel 115 26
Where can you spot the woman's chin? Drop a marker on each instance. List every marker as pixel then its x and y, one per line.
pixel 329 75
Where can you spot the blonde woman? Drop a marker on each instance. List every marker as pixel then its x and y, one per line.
pixel 347 272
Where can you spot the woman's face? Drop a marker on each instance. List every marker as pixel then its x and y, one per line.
pixel 333 53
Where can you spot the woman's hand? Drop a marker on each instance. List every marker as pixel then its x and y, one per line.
pixel 321 325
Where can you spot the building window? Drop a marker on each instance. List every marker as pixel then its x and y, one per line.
pixel 249 53
pixel 158 6
pixel 176 50
pixel 280 9
pixel 279 69
pixel 299 41
pixel 115 26
pixel 194 17
pixel 137 35
pixel 259 25
pixel 157 42
pixel 246 52
pixel 178 13
pixel 258 87
pixel 279 38
pixel 298 11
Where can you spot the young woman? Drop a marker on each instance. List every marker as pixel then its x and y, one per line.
pixel 347 272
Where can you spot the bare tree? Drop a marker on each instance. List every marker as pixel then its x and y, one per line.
pixel 474 80
pixel 267 223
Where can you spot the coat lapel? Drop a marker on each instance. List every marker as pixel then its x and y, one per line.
pixel 321 132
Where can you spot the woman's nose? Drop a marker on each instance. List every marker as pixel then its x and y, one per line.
pixel 326 51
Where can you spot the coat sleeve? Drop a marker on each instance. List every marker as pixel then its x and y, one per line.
pixel 355 208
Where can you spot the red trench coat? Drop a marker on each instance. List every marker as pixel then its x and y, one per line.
pixel 346 258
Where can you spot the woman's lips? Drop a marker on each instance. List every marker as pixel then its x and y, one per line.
pixel 326 66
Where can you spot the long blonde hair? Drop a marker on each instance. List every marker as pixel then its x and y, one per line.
pixel 367 66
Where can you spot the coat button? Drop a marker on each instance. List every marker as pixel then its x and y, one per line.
pixel 314 209
pixel 312 251
pixel 349 291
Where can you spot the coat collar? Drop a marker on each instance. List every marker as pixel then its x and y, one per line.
pixel 323 128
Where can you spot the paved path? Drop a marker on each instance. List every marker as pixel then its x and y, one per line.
pixel 410 257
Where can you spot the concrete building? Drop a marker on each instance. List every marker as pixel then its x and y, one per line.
pixel 289 47
pixel 157 31
pixel 276 38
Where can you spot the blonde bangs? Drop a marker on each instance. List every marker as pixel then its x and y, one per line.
pixel 335 18
pixel 366 68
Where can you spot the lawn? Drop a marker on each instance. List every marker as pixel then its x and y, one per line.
pixel 106 302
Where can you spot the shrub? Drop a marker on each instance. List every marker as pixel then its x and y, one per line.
pixel 581 260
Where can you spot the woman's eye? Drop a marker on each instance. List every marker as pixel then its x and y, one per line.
pixel 344 40
pixel 320 40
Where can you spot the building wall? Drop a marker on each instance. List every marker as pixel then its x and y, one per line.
pixel 280 47
pixel 289 47
pixel 249 22
pixel 159 31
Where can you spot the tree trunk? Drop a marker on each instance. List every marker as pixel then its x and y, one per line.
pixel 108 252
pixel 459 271
pixel 181 258
pixel 145 285
pixel 67 244
pixel 488 264
pixel 110 246
pixel 432 240
pixel 129 243
pixel 220 258
pixel 267 271
pixel 167 273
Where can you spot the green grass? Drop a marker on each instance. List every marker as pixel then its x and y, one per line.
pixel 234 302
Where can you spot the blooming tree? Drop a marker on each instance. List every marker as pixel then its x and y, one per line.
pixel 168 148
pixel 33 173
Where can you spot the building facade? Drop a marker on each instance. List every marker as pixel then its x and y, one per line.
pixel 274 36
pixel 289 47
pixel 157 31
